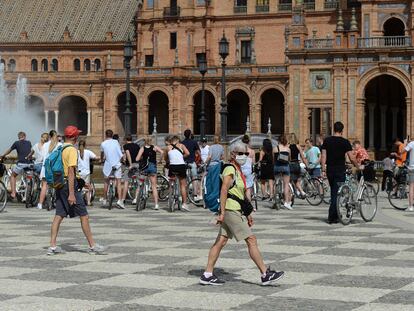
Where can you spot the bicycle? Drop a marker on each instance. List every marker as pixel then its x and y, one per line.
pixel 360 197
pixel 279 196
pixel 32 182
pixel 92 192
pixel 50 199
pixel 174 197
pixel 163 187
pixel 111 187
pixel 398 189
pixel 313 188
pixel 191 182
pixel 3 189
pixel 143 192
pixel 133 183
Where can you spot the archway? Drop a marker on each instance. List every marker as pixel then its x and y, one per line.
pixel 36 108
pixel 385 112
pixel 121 100
pixel 238 110
pixel 394 27
pixel 209 112
pixel 158 108
pixel 73 111
pixel 273 108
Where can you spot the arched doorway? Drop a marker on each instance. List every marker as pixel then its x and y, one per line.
pixel 238 110
pixel 73 111
pixel 394 27
pixel 385 112
pixel 273 108
pixel 209 112
pixel 158 108
pixel 36 108
pixel 121 100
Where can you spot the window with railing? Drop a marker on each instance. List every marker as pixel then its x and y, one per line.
pixel 285 5
pixel 309 5
pixel 35 66
pixel 246 52
pixel 331 4
pixel 240 6
pixel 149 60
pixel 262 6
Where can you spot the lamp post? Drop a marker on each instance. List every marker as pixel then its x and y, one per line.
pixel 202 68
pixel 224 52
pixel 128 55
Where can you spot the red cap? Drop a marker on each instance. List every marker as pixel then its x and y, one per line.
pixel 72 131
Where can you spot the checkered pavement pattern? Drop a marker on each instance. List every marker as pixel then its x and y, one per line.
pixel 155 258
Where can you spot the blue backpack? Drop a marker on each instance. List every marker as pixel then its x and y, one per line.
pixel 54 172
pixel 212 187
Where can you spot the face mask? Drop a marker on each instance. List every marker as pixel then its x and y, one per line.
pixel 241 159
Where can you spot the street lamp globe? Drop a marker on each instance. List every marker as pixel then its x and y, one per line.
pixel 128 50
pixel 224 47
pixel 202 66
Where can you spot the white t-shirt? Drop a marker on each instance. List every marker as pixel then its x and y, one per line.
pixel 113 155
pixel 410 148
pixel 204 152
pixel 84 164
pixel 46 154
pixel 38 153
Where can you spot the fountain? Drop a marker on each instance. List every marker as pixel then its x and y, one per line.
pixel 14 115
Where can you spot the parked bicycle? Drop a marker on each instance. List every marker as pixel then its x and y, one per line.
pixel 398 189
pixel 3 189
pixel 144 186
pixel 313 187
pixel 279 197
pixel 175 200
pixel 358 196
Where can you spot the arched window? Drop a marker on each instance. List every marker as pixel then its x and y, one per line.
pixel 12 65
pixel 3 63
pixel 97 64
pixel 87 65
pixel 76 65
pixel 35 65
pixel 45 65
pixel 55 65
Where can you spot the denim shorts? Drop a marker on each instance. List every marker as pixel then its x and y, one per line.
pixel 151 169
pixel 284 169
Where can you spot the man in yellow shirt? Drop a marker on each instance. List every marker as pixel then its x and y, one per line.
pixel 69 200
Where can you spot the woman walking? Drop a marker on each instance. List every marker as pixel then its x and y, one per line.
pixel 148 154
pixel 281 159
pixel 267 175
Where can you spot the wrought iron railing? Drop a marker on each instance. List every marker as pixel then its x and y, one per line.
pixel 309 6
pixel 240 9
pixel 262 8
pixel 330 5
pixel 319 43
pixel 284 7
pixel 173 11
pixel 384 42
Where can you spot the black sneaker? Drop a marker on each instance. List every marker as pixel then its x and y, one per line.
pixel 271 276
pixel 212 280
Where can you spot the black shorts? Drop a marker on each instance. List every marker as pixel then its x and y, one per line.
pixel 62 205
pixel 179 170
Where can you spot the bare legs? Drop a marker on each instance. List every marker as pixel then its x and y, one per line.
pixel 84 220
pixel 153 180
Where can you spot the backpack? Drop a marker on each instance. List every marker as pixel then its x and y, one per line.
pixel 212 186
pixel 54 172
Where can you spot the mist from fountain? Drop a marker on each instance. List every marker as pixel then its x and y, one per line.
pixel 14 113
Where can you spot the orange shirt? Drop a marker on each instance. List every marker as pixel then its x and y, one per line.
pixel 402 154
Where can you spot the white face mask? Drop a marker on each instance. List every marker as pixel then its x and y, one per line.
pixel 241 159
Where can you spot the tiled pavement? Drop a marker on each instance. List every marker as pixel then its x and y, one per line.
pixel 155 259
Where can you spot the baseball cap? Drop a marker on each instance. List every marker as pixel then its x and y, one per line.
pixel 72 131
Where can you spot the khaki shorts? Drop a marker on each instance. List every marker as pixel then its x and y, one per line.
pixel 235 225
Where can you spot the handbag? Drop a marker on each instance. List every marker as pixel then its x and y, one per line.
pixel 245 205
pixel 282 158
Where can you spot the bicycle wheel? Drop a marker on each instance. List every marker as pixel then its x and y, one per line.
pixel 163 187
pixel 36 191
pixel 29 193
pixel 278 194
pixel 132 188
pixel 314 191
pixel 171 199
pixel 292 195
pixel 191 191
pixel 326 191
pixel 375 184
pixel 140 199
pixel 111 195
pixel 3 196
pixel 92 191
pixel 344 205
pixel 368 203
pixel 398 196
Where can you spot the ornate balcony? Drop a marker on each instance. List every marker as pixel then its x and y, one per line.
pixel 384 42
pixel 331 4
pixel 172 11
pixel 309 6
pixel 262 8
pixel 285 7
pixel 240 9
pixel 319 43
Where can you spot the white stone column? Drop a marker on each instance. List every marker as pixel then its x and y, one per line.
pixel 383 126
pixel 394 111
pixel 89 123
pixel 371 109
pixel 56 120
pixel 46 120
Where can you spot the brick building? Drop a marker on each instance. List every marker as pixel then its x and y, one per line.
pixel 304 64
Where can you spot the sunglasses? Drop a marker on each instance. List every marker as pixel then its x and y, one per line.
pixel 242 153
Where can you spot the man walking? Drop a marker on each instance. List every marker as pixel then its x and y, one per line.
pixel 69 200
pixel 334 150
pixel 23 148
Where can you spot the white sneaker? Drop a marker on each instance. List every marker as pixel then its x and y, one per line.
pixel 104 202
pixel 101 199
pixel 198 198
pixel 287 206
pixel 156 207
pixel 120 204
pixel 411 209
pixel 39 206
pixel 185 207
pixel 134 201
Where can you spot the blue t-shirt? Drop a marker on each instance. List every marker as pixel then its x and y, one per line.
pixel 192 147
pixel 23 148
pixel 312 155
